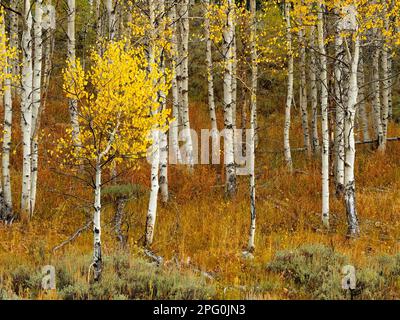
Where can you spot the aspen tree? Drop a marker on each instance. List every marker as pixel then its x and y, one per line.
pixel 163 179
pixel 72 57
pixel 324 115
pixel 114 98
pixel 14 38
pixel 229 155
pixel 155 56
pixel 7 57
pixel 210 74
pixel 36 97
pixel 350 114
pixel 385 76
pixel 376 104
pixel 7 74
pixel 289 96
pixel 184 18
pixel 174 127
pixel 314 93
pixel 303 91
pixel 26 109
pixel 234 80
pixel 253 107
pixel 49 27
pixel 99 23
pixel 340 98
pixel 361 99
pixel 112 21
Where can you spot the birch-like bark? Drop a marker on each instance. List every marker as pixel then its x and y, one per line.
pixel 5 71
pixel 97 257
pixel 350 198
pixel 253 107
pixel 210 75
pixel 49 27
pixel 385 82
pixel 26 109
pixel 163 180
pixel 73 104
pixel 164 166
pixel 324 116
pixel 228 37
pixel 184 14
pixel 314 94
pixel 36 98
pixel 210 66
pixel 376 104
pixel 175 154
pixel 340 97
pixel 14 38
pixel 361 100
pixel 289 97
pixel 390 83
pixel 5 192
pixel 99 25
pixel 234 80
pixel 303 92
pixel 155 156
pixel 152 210
pixel 112 21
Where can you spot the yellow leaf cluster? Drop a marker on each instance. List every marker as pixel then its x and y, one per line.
pixel 117 102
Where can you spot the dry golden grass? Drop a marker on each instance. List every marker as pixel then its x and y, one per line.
pixel 201 225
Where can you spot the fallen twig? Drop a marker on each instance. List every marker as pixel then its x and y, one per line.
pixel 157 259
pixel 74 236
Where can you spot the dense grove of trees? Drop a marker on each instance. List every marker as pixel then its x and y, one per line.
pixel 128 90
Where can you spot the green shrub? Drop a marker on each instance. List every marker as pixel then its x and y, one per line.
pixel 125 278
pixel 314 271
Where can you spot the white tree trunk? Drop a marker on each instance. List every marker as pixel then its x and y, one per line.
pixel 289 97
pixel 14 38
pixel 361 100
pixel 350 199
pixel 175 154
pixel 5 192
pixel 152 210
pixel 97 256
pixel 377 100
pixel 184 13
pixel 112 21
pixel 385 87
pixel 234 80
pixel 340 97
pixel 228 37
pixel 163 180
pixel 36 98
pixel 324 117
pixel 303 92
pixel 390 83
pixel 210 78
pixel 26 109
pixel 253 107
pixel 99 25
pixel 155 156
pixel 210 68
pixel 314 94
pixel 50 27
pixel 73 105
pixel 164 167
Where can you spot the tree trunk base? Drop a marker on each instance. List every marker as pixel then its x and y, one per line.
pixel 353 230
pixel 97 262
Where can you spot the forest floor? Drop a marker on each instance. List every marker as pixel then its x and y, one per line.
pixel 199 230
